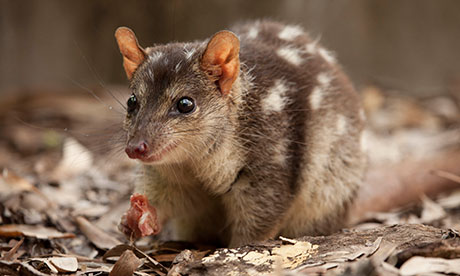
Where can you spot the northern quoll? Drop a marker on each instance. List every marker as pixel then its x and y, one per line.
pixel 251 134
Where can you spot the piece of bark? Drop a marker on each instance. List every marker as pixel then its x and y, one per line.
pixel 257 259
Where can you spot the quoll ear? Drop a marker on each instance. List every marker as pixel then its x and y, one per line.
pixel 133 54
pixel 221 59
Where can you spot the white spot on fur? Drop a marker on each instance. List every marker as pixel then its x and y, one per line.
pixel 253 32
pixel 289 33
pixel 154 57
pixel 326 55
pixel 341 125
pixel 311 48
pixel 316 97
pixel 292 55
pixel 280 152
pixel 276 98
pixel 324 79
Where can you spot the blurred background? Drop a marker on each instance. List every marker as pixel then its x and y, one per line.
pixel 61 75
pixel 411 46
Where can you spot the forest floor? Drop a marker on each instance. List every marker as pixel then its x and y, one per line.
pixel 65 183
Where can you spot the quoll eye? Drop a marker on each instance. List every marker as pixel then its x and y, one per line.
pixel 132 103
pixel 185 105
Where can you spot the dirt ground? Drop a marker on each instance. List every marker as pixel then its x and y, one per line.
pixel 65 182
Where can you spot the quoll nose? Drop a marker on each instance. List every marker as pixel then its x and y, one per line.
pixel 137 150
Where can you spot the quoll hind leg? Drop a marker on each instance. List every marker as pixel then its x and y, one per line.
pixel 255 211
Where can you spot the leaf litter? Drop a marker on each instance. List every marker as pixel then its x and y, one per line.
pixel 63 193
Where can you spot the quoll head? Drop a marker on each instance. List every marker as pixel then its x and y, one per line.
pixel 182 96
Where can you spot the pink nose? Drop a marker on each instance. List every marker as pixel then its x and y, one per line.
pixel 137 150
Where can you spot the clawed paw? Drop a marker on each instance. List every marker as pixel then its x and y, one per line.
pixel 140 220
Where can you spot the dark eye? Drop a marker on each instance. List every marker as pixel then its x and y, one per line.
pixel 132 103
pixel 185 105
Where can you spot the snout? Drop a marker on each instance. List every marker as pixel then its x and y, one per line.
pixel 137 150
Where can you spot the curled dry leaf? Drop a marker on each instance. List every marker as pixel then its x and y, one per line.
pixel 65 264
pixel 119 249
pixel 420 265
pixel 36 231
pixel 97 236
pixel 126 265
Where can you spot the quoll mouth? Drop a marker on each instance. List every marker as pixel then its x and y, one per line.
pixel 158 155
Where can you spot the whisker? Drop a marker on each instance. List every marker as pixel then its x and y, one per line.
pixel 76 83
pixel 98 78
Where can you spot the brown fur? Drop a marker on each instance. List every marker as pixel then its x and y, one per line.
pixel 279 154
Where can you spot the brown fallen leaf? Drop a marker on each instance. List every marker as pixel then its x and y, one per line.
pixel 166 257
pixel 181 260
pixel 422 265
pixel 12 252
pixel 64 264
pixel 119 249
pixel 97 236
pixel 432 211
pixel 126 265
pixel 36 231
pixel 385 249
pixel 13 183
pixel 450 201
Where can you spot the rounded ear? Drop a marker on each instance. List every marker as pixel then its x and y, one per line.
pixel 221 59
pixel 133 54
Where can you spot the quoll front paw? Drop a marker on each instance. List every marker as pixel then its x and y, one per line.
pixel 140 220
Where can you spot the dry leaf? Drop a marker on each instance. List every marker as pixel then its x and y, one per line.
pixel 116 251
pixel 385 249
pixel 36 231
pixel 65 264
pixel 10 255
pixel 421 265
pixel 119 249
pixel 126 265
pixel 97 236
pixel 47 262
pixel 431 211
pixel 451 201
pixel 75 159
pixel 11 183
